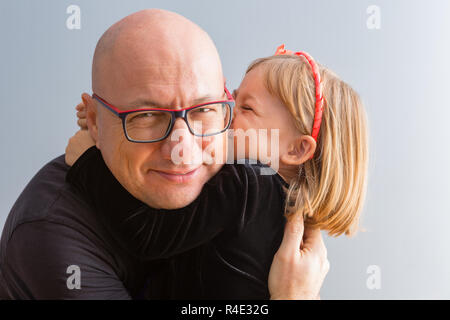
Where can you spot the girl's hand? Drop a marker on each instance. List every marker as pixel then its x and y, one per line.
pixel 81 114
pixel 82 140
pixel 77 145
pixel 300 264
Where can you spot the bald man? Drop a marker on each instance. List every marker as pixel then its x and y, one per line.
pixel 64 240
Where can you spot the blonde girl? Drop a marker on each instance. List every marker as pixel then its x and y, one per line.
pixel 323 143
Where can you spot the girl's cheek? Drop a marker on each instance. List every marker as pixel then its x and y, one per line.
pixel 242 121
pixel 236 123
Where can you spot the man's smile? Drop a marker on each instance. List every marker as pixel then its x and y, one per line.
pixel 178 176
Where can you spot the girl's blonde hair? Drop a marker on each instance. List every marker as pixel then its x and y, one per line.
pixel 330 188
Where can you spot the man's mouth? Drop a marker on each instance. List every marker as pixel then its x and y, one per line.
pixel 179 176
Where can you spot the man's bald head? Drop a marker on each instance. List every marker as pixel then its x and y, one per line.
pixel 166 45
pixel 155 58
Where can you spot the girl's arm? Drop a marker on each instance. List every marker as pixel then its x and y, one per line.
pixel 82 140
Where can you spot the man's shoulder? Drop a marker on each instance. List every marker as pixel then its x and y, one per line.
pixel 47 197
pixel 40 193
pixel 49 227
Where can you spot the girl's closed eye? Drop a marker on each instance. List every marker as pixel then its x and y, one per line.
pixel 247 108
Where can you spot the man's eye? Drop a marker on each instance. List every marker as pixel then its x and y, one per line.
pixel 204 110
pixel 145 115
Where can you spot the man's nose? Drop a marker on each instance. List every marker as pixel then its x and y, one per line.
pixel 181 144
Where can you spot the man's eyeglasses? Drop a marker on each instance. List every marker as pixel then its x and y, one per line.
pixel 155 124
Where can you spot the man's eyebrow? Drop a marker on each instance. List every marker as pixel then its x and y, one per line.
pixel 207 98
pixel 144 103
pixel 150 103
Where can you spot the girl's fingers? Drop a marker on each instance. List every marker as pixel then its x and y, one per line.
pixel 80 106
pixel 81 114
pixel 293 234
pixel 313 240
pixel 82 123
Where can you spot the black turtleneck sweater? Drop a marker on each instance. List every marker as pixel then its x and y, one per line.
pixel 220 246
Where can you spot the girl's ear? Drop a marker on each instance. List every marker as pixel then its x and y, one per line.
pixel 299 151
pixel 91 116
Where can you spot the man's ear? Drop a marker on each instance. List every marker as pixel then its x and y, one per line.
pixel 91 116
pixel 299 151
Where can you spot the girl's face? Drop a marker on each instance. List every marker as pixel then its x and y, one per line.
pixel 257 109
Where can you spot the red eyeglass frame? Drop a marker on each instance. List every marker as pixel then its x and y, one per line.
pixel 177 113
pixel 318 86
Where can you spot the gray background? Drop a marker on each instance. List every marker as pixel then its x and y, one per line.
pixel 401 71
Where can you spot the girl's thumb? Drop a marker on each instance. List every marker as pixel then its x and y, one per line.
pixel 293 233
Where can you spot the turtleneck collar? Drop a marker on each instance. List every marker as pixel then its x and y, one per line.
pixel 136 226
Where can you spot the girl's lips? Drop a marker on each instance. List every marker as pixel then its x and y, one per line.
pixel 179 177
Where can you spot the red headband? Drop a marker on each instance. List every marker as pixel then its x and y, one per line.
pixel 319 98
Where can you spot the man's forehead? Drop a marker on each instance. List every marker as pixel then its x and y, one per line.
pixel 154 79
pixel 168 96
pixel 162 86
